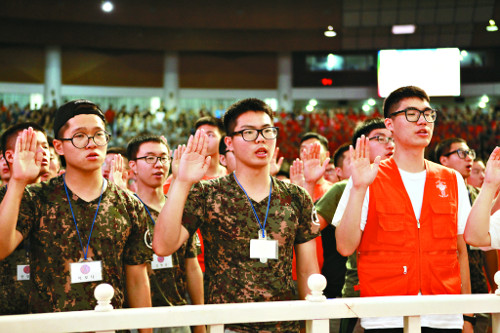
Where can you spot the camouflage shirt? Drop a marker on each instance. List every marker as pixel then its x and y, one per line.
pixel 221 210
pixel 169 285
pixel 45 218
pixel 13 293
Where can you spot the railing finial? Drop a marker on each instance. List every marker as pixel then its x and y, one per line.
pixel 103 294
pixel 497 281
pixel 317 284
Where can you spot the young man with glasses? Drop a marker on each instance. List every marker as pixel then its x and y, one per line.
pixel 454 153
pixel 341 273
pixel 83 230
pixel 250 221
pixel 14 270
pixel 174 276
pixel 405 217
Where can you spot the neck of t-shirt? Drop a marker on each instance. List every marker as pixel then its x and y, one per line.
pixel 152 197
pixel 87 186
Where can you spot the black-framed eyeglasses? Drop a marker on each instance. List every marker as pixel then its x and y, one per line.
pixel 413 114
pixel 268 133
pixel 151 159
pixel 81 140
pixel 462 153
pixel 382 139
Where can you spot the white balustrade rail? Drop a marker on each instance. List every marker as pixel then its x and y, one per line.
pixel 316 311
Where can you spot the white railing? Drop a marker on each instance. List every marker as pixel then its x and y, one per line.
pixel 316 311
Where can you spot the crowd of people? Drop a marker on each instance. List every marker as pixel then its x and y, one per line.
pixel 216 221
pixel 478 126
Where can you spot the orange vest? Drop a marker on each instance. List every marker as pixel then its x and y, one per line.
pixel 399 255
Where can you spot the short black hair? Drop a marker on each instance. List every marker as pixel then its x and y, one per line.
pixel 401 93
pixel 365 127
pixel 443 147
pixel 222 147
pixel 10 134
pixel 338 155
pixel 240 107
pixel 209 120
pixel 312 135
pixel 135 143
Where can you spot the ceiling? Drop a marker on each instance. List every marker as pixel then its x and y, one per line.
pixel 248 26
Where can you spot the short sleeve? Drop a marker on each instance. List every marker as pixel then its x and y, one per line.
pixel 343 204
pixel 495 230
pixel 28 212
pixel 194 209
pixel 136 252
pixel 327 205
pixel 308 222
pixel 463 204
pixel 193 247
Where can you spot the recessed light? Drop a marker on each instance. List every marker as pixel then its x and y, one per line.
pixel 406 29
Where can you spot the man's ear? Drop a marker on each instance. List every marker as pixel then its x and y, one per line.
pixel 229 142
pixel 9 155
pixel 58 146
pixel 222 160
pixel 443 160
pixel 133 166
pixel 389 125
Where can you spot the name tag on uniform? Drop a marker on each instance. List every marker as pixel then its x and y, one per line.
pixel 86 271
pixel 161 262
pixel 263 249
pixel 23 272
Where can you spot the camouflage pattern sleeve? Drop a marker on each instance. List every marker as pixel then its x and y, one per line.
pixel 195 208
pixel 136 250
pixel 308 226
pixel 193 247
pixel 28 212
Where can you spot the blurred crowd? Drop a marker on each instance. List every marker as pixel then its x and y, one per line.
pixel 479 127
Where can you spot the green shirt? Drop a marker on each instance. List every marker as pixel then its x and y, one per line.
pixel 221 210
pixel 117 239
pixel 169 285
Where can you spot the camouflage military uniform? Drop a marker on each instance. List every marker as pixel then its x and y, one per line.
pixel 169 285
pixel 13 293
pixel 221 210
pixel 117 240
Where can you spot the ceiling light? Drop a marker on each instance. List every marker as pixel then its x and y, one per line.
pixel 485 99
pixel 403 29
pixel 329 32
pixel 107 6
pixel 310 108
pixel 313 102
pixel 365 108
pixel 492 26
pixel 371 102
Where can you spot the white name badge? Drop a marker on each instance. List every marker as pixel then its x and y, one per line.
pixel 86 271
pixel 263 249
pixel 161 262
pixel 23 272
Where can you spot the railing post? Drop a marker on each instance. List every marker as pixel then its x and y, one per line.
pixel 103 293
pixel 218 328
pixel 495 317
pixel 317 283
pixel 412 324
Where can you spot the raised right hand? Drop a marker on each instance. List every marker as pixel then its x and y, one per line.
pixel 27 162
pixel 194 162
pixel 492 172
pixel 363 173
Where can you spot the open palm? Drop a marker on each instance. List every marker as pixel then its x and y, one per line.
pixel 363 172
pixel 27 162
pixel 194 162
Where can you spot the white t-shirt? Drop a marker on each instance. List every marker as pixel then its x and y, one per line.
pixel 495 230
pixel 414 184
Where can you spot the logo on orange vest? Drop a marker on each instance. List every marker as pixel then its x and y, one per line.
pixel 441 186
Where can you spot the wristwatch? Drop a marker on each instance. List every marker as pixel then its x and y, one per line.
pixel 470 319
